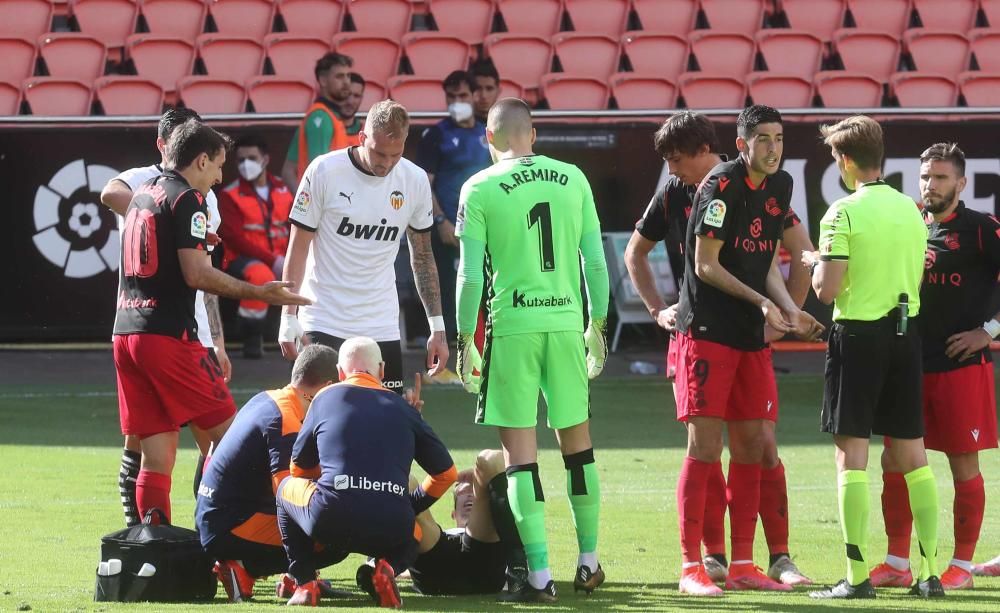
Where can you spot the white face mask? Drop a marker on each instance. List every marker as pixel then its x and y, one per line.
pixel 460 111
pixel 250 169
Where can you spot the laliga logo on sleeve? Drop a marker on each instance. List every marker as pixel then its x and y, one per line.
pixel 716 213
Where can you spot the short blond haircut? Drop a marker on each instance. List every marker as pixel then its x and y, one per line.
pixel 388 117
pixel 858 137
pixel 359 354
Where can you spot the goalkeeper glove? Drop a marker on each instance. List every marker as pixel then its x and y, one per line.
pixel 596 340
pixel 469 361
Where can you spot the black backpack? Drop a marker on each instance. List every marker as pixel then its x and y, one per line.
pixel 155 562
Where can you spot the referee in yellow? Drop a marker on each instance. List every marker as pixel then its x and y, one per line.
pixel 869 265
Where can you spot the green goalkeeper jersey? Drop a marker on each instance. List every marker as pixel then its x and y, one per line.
pixel 533 214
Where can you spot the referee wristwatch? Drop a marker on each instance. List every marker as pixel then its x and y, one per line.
pixel 439 219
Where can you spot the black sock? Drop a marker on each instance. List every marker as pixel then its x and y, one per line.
pixel 127 475
pixel 503 521
pixel 777 556
pixel 720 558
pixel 199 469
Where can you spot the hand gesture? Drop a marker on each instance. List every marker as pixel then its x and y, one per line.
pixel 277 292
pixel 412 394
pixel 774 317
pixel 805 326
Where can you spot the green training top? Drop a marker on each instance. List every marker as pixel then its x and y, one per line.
pixel 883 238
pixel 535 216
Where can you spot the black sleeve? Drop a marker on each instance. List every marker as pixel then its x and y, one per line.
pixel 190 216
pixel 791 219
pixel 714 206
pixel 429 150
pixel 990 235
pixel 653 223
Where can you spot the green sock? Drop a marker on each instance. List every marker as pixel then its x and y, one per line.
pixel 924 505
pixel 527 503
pixel 854 509
pixel 584 492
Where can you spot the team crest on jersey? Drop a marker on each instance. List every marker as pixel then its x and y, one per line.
pixel 771 206
pixel 396 199
pixel 199 225
pixel 716 213
pixel 951 241
pixel 302 202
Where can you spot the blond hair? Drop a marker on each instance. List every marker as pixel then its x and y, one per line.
pixel 387 117
pixel 858 137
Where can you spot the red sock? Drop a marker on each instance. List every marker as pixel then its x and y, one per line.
pixel 715 511
pixel 691 492
pixel 970 503
pixel 896 511
pixel 743 492
pixel 774 508
pixel 152 491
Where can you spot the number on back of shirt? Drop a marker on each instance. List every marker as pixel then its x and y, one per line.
pixel 541 215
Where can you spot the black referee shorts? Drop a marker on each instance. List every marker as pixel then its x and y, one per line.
pixel 392 355
pixel 874 380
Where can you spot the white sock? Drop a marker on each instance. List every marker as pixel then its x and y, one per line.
pixel 589 560
pixel 690 564
pixel 539 578
pixel 738 562
pixel 897 562
pixel 963 564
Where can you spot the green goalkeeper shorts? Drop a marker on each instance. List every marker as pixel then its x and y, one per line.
pixel 517 366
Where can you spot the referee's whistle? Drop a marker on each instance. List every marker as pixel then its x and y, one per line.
pixel 904 314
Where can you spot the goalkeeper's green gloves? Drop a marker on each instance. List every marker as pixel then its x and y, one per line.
pixel 596 340
pixel 470 363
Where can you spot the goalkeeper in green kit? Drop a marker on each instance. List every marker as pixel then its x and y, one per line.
pixel 530 218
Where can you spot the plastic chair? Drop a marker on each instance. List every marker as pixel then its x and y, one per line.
pixel 417 93
pixel 470 20
pixel 18 60
pixel 667 16
pixel 251 18
pixel 209 95
pixel 375 58
pixel 991 9
pixel 609 17
pixel 665 55
pixel 389 18
pixel 531 17
pixel 842 89
pixel 891 16
pixel 57 97
pixel 312 18
pixel 590 55
pixel 952 15
pixel 734 15
pixel 985 44
pixel 271 94
pixel 523 59
pixel 25 18
pixel 980 88
pixel 374 92
pixel 790 52
pixel 935 51
pixel 915 89
pixel 293 57
pixel 69 55
pixel 723 53
pixel 510 89
pixel 230 57
pixel 109 21
pixel 436 55
pixel 569 92
pixel 10 99
pixel 820 18
pixel 634 91
pixel 183 19
pixel 701 91
pixel 871 52
pixel 780 91
pixel 124 95
pixel 161 59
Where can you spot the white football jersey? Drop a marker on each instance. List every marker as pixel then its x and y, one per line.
pixel 134 177
pixel 359 220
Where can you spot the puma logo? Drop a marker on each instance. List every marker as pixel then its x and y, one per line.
pixel 348 196
pixel 975 434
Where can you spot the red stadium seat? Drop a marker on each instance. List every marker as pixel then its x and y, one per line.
pixel 161 59
pixel 724 54
pixel 986 47
pixel 436 55
pixel 790 51
pixel 510 89
pixel 389 18
pixel 781 91
pixel 634 91
pixel 842 89
pixel 874 53
pixel 417 93
pixel 608 17
pixel 55 96
pixel 701 91
pixel 109 21
pixel 374 92
pixel 523 59
pixel 937 51
pixel 590 55
pixel 531 17
pixel 252 18
pixel 375 58
pixel 734 15
pixel 209 95
pixel 891 16
pixel 230 57
pixel 312 18
pixel 470 20
pixel 652 53
pixel 568 92
pixel 980 88
pixel 952 15
pixel 183 19
pixel 271 94
pixel 25 18
pixel 991 9
pixel 69 55
pixel 18 60
pixel 293 57
pixel 818 17
pixel 916 89
pixel 124 95
pixel 10 99
pixel 666 16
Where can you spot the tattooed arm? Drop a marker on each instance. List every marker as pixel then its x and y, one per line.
pixel 215 329
pixel 425 275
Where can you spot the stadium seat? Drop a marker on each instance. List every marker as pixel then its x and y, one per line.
pixel 510 89
pixel 25 18
pixel 634 91
pixel 890 16
pixel 312 18
pixel 818 17
pixel 723 53
pixel 916 89
pixel 209 95
pixel 417 93
pixel 666 16
pixel 734 15
pixel 271 94
pixel 531 17
pixel 436 55
pixel 871 52
pixel 991 10
pixel 124 95
pixel 252 18
pixel 665 55
pixel 590 55
pixel 69 55
pixel 523 59
pixel 293 57
pixel 790 51
pixel 985 45
pixel 18 60
pixel 161 59
pixel 109 21
pixel 780 91
pixel 701 91
pixel 980 88
pixel 569 92
pixel 375 58
pixel 183 19
pixel 608 17
pixel 10 99
pixel 230 57
pixel 937 51
pixel 470 20
pixel 373 93
pixel 952 15
pixel 842 89
pixel 58 97
pixel 389 18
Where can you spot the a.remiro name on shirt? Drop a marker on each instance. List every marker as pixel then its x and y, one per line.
pixel 533 174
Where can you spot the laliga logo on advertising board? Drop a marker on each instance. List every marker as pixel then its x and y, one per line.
pixel 73 231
